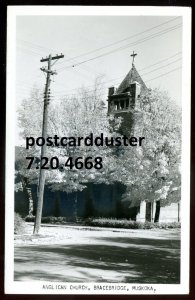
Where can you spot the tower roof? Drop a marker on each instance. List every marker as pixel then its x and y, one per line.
pixel 131 77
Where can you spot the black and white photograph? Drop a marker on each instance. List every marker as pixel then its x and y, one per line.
pixel 97 150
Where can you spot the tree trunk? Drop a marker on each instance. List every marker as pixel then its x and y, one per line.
pixel 30 201
pixel 27 188
pixel 178 212
pixel 148 211
pixel 157 213
pixel 75 213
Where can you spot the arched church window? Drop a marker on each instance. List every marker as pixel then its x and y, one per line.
pixel 116 105
pixel 127 103
pixel 122 103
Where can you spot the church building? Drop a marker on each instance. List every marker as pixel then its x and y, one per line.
pixel 124 102
pixel 126 97
pixel 100 200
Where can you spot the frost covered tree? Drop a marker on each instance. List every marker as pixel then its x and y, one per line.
pixel 152 172
pixel 76 116
pixel 29 119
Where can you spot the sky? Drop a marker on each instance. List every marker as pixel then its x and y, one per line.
pixel 101 46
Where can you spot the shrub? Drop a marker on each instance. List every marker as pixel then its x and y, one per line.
pixel 29 219
pixel 19 224
pixel 47 220
pixel 128 224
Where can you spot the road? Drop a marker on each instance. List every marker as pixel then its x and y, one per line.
pixel 84 254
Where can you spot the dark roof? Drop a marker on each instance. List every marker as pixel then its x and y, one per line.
pixel 131 77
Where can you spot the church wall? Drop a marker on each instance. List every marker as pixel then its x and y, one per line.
pixel 106 200
pixel 127 123
pixel 169 213
pixel 141 216
pixel 21 204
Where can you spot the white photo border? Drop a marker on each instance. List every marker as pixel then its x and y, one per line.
pixel 13 287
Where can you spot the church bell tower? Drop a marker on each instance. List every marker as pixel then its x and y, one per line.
pixel 124 100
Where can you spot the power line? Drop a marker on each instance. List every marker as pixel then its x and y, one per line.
pixel 147 67
pixel 121 48
pixel 91 91
pixel 124 47
pixel 142 69
pixel 29 51
pixel 30 44
pixel 36 45
pixel 158 62
pixel 117 83
pixel 162 60
pixel 162 66
pixel 122 40
pixel 164 74
pixel 73 58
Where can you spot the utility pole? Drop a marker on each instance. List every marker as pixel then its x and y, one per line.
pixel 44 135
